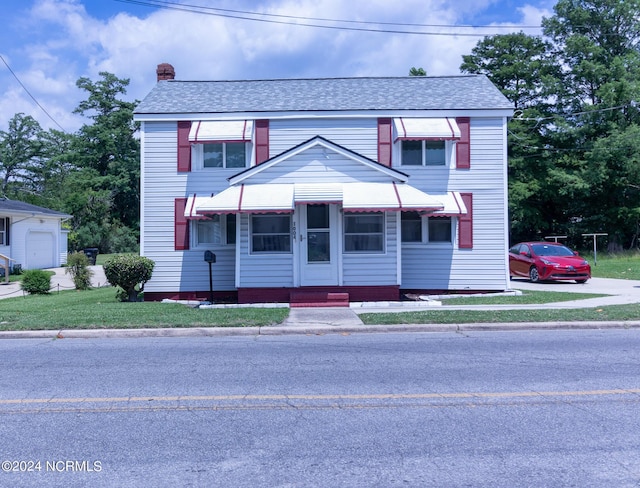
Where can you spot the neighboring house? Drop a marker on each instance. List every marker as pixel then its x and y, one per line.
pixel 32 236
pixel 348 188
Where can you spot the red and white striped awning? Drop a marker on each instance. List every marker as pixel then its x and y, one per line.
pixel 221 131
pixel 441 129
pixel 354 197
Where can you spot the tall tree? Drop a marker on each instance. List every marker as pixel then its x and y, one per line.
pixel 108 154
pixel 21 152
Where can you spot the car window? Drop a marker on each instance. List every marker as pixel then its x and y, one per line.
pixel 549 250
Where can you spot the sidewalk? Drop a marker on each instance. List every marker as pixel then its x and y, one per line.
pixel 320 321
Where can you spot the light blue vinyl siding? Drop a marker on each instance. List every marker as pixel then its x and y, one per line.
pixel 374 269
pixel 358 134
pixel 262 269
pixel 483 267
pixel 161 185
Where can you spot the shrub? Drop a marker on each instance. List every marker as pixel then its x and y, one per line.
pixel 129 272
pixel 78 268
pixel 36 281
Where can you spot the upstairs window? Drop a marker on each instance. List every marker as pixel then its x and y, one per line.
pixel 224 155
pixel 221 144
pixel 423 153
pixel 425 141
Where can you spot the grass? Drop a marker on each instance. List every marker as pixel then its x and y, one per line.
pixel 98 309
pixel 611 313
pixel 625 265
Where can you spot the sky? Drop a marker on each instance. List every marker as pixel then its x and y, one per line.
pixel 47 45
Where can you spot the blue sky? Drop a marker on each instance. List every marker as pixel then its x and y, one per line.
pixel 49 44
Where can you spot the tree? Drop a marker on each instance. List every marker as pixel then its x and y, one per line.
pixel 21 152
pixel 107 156
pixel 417 72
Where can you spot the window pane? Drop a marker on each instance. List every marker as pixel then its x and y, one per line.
pixel 270 224
pixel 213 155
pixel 364 223
pixel 231 228
pixel 318 216
pixel 440 229
pixel 235 155
pixel 435 153
pixel 318 247
pixel 271 243
pixel 355 243
pixel 412 153
pixel 364 233
pixel 270 233
pixel 208 231
pixel 411 227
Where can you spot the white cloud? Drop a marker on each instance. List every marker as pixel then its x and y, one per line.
pixel 68 43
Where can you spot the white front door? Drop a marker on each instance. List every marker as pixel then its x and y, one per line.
pixel 319 253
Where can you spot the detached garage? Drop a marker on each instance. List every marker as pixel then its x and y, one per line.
pixel 32 236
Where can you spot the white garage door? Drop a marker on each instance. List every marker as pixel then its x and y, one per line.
pixel 40 250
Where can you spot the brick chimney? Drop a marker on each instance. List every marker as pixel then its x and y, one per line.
pixel 165 72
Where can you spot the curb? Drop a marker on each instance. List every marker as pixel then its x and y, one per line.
pixel 309 330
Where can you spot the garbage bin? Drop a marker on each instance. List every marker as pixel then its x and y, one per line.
pixel 92 254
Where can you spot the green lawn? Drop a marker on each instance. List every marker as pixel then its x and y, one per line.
pixel 98 308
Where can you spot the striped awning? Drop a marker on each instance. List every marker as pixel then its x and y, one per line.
pixel 221 131
pixel 354 197
pixel 453 205
pixel 408 129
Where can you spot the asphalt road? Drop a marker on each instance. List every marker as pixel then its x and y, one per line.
pixel 533 408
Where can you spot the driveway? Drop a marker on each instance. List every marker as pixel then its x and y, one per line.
pixel 59 281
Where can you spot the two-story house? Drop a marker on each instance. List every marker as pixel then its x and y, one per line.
pixel 355 189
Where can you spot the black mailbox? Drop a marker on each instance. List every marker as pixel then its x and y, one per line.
pixel 209 257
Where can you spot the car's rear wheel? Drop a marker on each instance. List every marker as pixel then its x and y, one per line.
pixel 533 275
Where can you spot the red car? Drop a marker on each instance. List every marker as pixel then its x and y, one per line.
pixel 541 261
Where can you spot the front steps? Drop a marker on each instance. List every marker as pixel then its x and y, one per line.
pixel 308 298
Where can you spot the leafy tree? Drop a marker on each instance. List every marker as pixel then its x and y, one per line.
pixel 22 149
pixel 78 268
pixel 417 72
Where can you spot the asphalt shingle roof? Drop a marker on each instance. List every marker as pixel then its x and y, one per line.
pixel 474 92
pixel 15 206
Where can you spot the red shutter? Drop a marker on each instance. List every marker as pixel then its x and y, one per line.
pixel 181 226
pixel 465 223
pixel 384 141
pixel 184 147
pixel 262 140
pixel 463 146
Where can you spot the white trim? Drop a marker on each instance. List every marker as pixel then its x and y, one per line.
pixel 348 114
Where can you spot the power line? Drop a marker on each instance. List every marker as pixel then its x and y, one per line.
pixel 29 93
pixel 307 21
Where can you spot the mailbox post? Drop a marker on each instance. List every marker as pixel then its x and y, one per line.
pixel 210 258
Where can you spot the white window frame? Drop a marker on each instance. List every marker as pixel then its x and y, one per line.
pixel 424 233
pixel 449 152
pixel 383 215
pixel 270 215
pixel 222 223
pixel 3 231
pixel 197 155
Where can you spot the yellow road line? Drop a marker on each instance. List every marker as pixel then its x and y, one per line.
pixel 282 397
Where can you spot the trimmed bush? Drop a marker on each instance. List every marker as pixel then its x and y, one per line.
pixel 36 282
pixel 78 268
pixel 129 272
